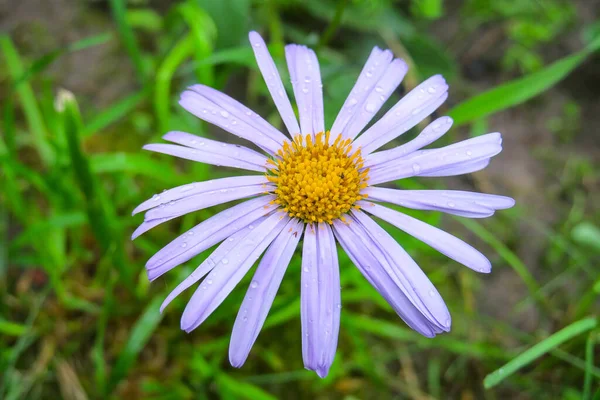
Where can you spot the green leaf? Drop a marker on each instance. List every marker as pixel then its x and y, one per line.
pixel 11 328
pixel 242 390
pixel 587 234
pixel 140 164
pixel 114 113
pixel 520 90
pixel 139 336
pixel 535 352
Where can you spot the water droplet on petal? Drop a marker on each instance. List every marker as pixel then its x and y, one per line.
pixel 230 239
pixel 184 244
pixel 304 89
pixel 379 89
pixel 352 101
pixel 257 44
pixel 339 305
pixel 370 107
pixel 431 293
pixel 431 90
pixel 225 261
pixel 191 233
pixel 156 197
pixel 416 168
pixel 254 285
pixel 209 281
pixel 250 226
pixel 451 204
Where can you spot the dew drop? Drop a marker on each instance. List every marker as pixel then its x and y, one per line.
pixel 339 305
pixel 280 93
pixel 304 89
pixel 245 319
pixel 369 74
pixel 431 293
pixel 225 261
pixel 469 153
pixel 230 239
pixel 234 122
pixel 352 101
pixel 209 281
pixel 379 89
pixel 254 285
pixel 194 141
pixel 370 107
pixel 191 233
pixel 451 204
pixel 416 168
pixel 305 269
pixel 447 323
pixel 250 226
pixel 205 111
pixel 201 144
pixel 224 114
pixel 307 79
pixel 431 90
pixel 257 44
pixel 156 197
pixel 248 112
pixel 184 244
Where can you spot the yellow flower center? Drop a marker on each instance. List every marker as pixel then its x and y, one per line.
pixel 318 181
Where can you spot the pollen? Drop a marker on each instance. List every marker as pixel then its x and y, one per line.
pixel 318 180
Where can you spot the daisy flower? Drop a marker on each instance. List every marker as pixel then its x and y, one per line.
pixel 318 186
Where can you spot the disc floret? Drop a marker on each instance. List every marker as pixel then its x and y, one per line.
pixel 318 180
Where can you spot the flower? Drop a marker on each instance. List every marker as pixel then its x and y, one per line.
pixel 318 185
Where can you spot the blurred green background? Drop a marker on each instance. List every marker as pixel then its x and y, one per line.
pixel 78 318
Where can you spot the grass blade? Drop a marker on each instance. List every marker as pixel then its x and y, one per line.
pixel 28 101
pixel 119 11
pixel 572 330
pixel 114 113
pixel 140 334
pixel 520 90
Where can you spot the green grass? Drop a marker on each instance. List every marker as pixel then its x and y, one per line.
pixel 78 318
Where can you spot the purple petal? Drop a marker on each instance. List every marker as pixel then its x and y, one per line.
pixel 212 146
pixel 208 264
pixel 374 68
pixel 432 161
pixel 462 169
pixel 260 295
pixel 467 204
pixel 207 234
pixel 240 112
pixel 205 157
pixel 271 76
pixel 443 242
pixel 319 298
pixel 147 225
pixel 406 273
pixel 368 260
pixel 309 299
pixel 409 111
pixel 232 268
pixel 230 116
pixel 430 134
pixel 306 81
pixel 183 206
pixel 195 188
pixel 376 97
pixel 329 298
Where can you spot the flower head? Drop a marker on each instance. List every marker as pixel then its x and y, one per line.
pixel 318 185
